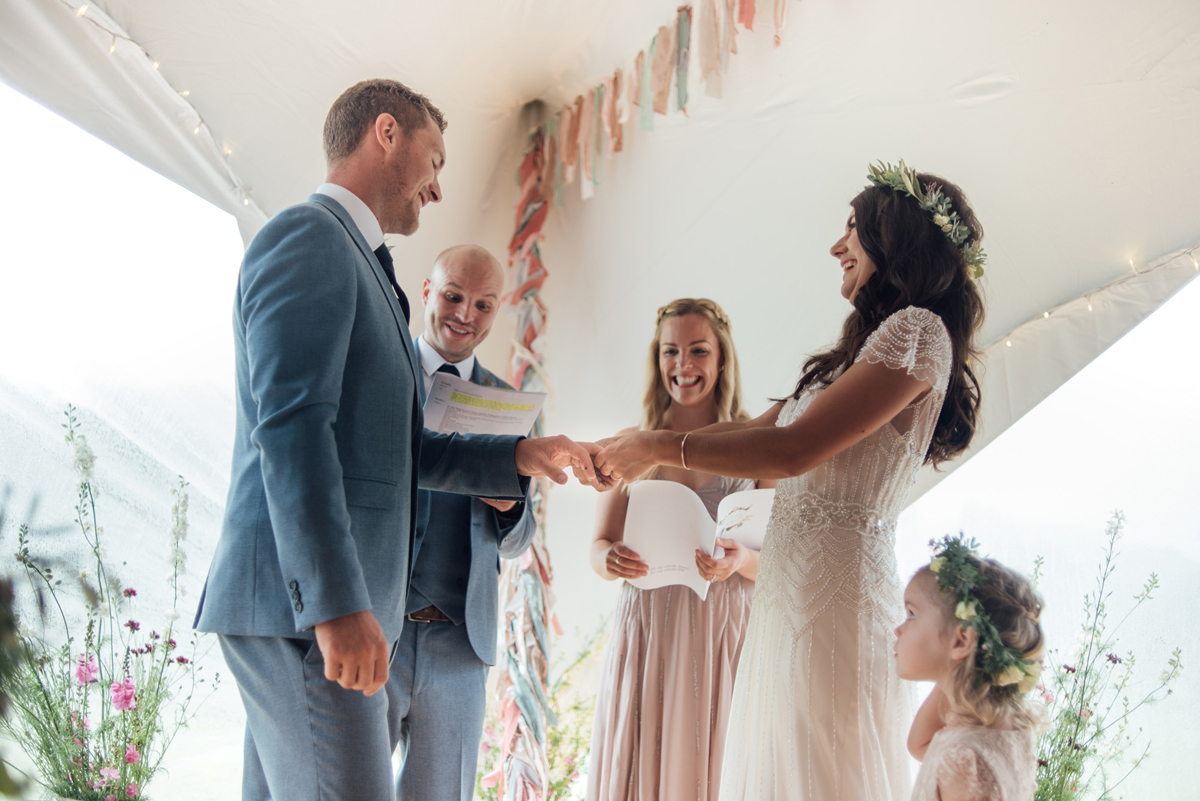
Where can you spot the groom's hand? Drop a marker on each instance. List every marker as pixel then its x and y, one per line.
pixel 548 456
pixel 355 651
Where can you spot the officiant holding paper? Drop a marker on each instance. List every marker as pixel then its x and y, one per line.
pixel 437 687
pixel 664 698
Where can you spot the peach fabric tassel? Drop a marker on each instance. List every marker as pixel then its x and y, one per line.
pixel 612 125
pixel 635 80
pixel 662 68
pixel 709 23
pixel 730 33
pixel 780 20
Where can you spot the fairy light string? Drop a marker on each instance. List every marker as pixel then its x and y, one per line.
pixel 197 125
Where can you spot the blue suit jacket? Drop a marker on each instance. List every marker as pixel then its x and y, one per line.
pixel 330 444
pixel 492 536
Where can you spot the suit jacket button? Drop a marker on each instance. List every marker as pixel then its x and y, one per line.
pixel 295 595
pixel 292 584
pixel 299 606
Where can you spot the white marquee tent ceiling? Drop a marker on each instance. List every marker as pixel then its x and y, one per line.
pixel 1072 125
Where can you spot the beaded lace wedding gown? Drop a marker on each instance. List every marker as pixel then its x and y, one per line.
pixel 818 712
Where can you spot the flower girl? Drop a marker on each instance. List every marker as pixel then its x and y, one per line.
pixel 971 625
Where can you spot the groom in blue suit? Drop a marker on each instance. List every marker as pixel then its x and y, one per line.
pixel 308 585
pixel 437 685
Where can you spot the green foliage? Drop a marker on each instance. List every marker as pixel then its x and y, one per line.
pixel 97 715
pixel 1090 746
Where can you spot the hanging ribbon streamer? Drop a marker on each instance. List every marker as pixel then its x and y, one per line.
pixel 683 53
pixel 523 773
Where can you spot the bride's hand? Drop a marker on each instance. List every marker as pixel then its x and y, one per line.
pixel 713 569
pixel 627 457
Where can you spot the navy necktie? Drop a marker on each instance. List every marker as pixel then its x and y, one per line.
pixel 447 367
pixel 385 261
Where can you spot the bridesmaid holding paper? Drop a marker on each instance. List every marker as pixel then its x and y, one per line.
pixel 668 676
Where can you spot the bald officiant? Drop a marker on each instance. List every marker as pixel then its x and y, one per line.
pixel 437 686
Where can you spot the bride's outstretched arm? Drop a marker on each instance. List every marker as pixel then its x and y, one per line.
pixel 854 406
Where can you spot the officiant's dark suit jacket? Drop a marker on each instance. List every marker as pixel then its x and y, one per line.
pixel 491 535
pixel 330 446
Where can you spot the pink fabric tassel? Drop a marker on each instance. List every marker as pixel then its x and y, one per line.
pixel 662 68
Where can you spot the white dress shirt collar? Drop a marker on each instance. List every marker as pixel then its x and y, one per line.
pixel 431 360
pixel 363 217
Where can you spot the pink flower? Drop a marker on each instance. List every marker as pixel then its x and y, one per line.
pixel 183 660
pixel 86 669
pixel 132 625
pixel 110 797
pixel 132 755
pixel 129 592
pixel 109 774
pixel 122 695
pixel 131 791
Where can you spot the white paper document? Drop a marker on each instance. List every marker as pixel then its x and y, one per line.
pixel 454 405
pixel 666 522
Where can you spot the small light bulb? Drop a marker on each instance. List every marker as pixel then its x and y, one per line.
pixel 155 65
pixel 1008 342
pixel 196 130
pixel 1045 314
pixel 186 92
pixel 1089 305
pixel 1195 263
pixel 113 47
pixel 1133 267
pixel 82 10
pixel 246 201
pixel 228 150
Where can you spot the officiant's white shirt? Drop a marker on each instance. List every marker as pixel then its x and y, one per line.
pixel 431 360
pixel 363 217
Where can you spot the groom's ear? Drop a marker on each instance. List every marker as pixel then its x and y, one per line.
pixel 388 132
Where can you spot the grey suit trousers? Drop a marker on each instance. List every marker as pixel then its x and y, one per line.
pixel 437 697
pixel 307 739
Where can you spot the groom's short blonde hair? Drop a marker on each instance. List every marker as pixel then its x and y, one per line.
pixel 352 114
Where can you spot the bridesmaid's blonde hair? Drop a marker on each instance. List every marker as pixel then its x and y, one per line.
pixel 728 392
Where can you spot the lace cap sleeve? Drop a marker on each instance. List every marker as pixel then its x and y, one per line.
pixel 963 773
pixel 914 340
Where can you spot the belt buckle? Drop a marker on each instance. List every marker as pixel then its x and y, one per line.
pixel 429 614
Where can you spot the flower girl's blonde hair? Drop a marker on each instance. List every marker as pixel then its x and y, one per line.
pixel 1014 607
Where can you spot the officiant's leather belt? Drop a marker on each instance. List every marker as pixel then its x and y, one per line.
pixel 430 614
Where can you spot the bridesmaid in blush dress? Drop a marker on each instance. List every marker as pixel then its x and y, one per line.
pixel 668 676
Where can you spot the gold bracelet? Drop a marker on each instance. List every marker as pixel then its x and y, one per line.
pixel 683 450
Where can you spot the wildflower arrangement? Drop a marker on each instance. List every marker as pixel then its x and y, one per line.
pixel 935 202
pixel 568 735
pixel 97 713
pixel 1089 745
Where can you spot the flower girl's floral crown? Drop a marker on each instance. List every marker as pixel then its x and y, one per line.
pixel 933 200
pixel 957 571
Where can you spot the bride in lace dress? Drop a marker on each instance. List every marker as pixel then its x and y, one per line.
pixel 818 712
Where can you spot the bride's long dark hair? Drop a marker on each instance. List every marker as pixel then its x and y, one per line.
pixel 915 265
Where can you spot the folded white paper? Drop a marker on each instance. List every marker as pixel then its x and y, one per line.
pixel 666 522
pixel 454 405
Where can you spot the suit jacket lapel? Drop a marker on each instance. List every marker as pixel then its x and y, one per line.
pixel 420 372
pixel 385 286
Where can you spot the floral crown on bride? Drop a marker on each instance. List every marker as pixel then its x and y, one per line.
pixel 957 569
pixel 933 200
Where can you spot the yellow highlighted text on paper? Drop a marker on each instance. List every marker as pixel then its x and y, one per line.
pixel 494 405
